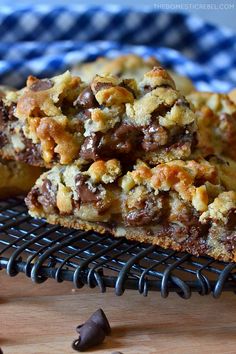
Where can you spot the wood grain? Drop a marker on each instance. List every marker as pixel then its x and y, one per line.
pixel 41 319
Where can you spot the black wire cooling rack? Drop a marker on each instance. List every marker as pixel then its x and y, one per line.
pixel 43 251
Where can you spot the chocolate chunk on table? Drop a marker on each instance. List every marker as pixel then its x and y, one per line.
pixel 92 332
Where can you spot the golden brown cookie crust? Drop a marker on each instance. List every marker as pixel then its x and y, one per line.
pixel 145 236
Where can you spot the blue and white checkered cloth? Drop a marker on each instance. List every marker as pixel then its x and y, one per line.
pixel 46 40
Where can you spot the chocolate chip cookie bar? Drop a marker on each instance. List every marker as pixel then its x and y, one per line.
pixel 63 119
pixel 17 178
pixel 183 205
pixel 128 66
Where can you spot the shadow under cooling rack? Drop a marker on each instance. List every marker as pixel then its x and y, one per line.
pixel 43 251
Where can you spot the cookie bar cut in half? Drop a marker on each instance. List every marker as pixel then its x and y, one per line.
pixel 183 205
pixel 127 66
pixel 17 178
pixel 62 119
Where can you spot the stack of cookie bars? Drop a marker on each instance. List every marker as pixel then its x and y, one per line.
pixel 129 153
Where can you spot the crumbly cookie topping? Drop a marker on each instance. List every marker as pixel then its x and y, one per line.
pixel 216 119
pixel 128 66
pixel 110 117
pixel 187 178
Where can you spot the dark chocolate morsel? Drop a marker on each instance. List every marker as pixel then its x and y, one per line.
pixel 85 194
pixel 1 352
pixel 41 85
pixel 125 139
pixel 90 335
pixel 151 211
pixel 86 99
pixel 32 199
pixel 3 139
pixel 101 320
pixel 231 218
pixel 48 197
pixel 89 149
pixel 3 113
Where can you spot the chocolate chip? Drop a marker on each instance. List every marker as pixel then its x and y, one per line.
pixel 92 332
pixel 3 113
pixel 89 149
pixel 85 194
pixel 47 187
pixel 48 195
pixel 86 99
pixel 32 198
pixel 120 140
pixel 101 320
pixel 231 218
pixel 41 85
pixel 154 137
pixel 126 137
pixel 3 139
pixel 146 212
pixel 90 335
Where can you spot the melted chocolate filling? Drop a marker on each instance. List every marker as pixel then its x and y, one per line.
pixel 120 141
pixel 149 211
pixel 48 195
pixel 126 139
pixel 32 198
pixel 85 194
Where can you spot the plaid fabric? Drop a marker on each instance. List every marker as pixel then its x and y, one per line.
pixel 45 40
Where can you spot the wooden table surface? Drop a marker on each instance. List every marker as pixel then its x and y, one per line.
pixel 41 319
